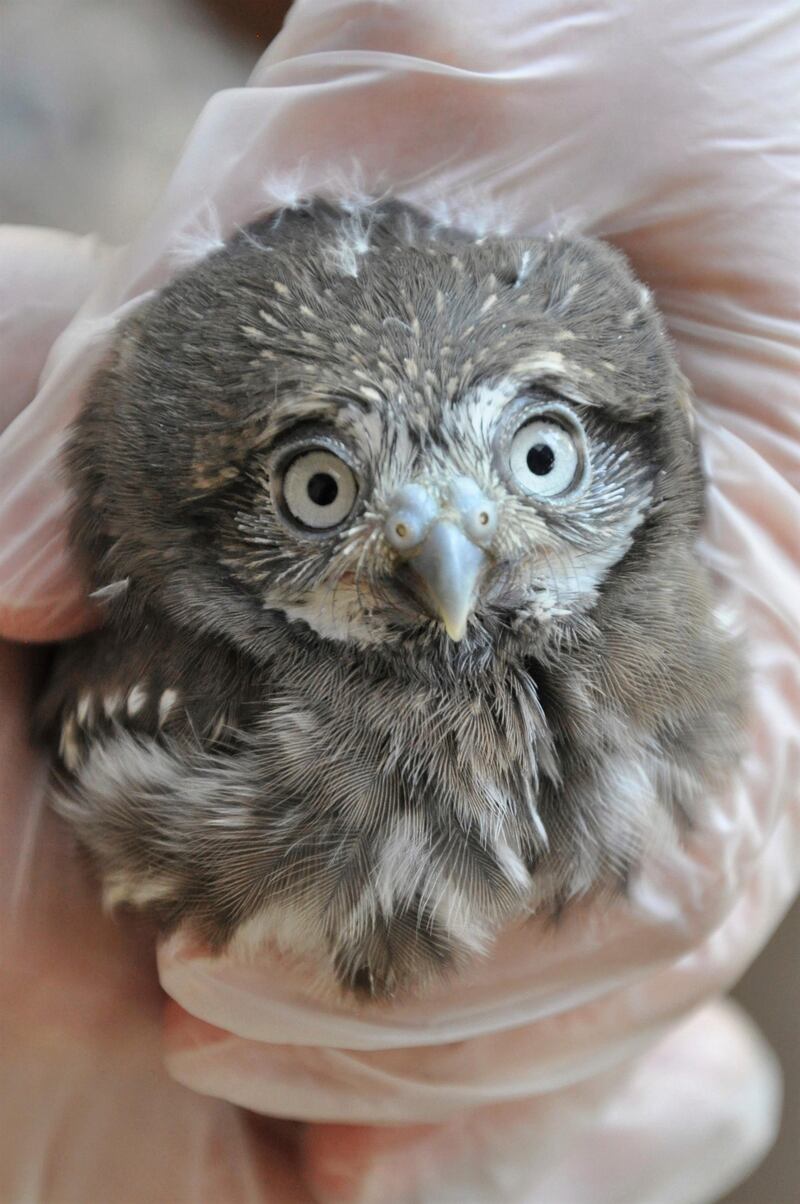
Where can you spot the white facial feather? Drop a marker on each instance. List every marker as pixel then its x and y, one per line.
pixel 338 614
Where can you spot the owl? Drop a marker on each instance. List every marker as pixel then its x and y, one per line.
pixel 406 636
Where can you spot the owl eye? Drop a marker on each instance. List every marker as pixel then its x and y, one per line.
pixel 319 489
pixel 545 458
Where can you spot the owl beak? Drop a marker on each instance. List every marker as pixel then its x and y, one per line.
pixel 449 564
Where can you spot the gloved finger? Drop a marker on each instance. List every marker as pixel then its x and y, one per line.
pixel 45 275
pixel 99 1120
pixel 686 1121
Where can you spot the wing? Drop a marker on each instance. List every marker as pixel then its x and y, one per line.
pixel 153 682
pixel 127 711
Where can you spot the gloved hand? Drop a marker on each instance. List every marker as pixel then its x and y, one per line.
pixel 589 1062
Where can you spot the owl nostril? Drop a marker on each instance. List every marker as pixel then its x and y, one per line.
pixel 405 533
pixel 480 522
pixel 411 511
pixel 477 514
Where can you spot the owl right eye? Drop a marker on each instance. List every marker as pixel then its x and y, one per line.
pixel 547 456
pixel 544 458
pixel 319 489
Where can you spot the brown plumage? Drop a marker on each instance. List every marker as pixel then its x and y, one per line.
pixel 406 632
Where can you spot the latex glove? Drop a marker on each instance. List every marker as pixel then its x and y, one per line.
pixel 584 1063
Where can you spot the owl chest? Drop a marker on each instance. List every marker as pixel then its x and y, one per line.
pixel 418 752
pixel 436 793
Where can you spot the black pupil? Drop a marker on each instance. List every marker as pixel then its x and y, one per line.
pixel 322 489
pixel 541 459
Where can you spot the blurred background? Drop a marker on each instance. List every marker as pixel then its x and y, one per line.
pixel 96 99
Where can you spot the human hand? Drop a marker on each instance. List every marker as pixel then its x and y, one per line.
pixel 572 1065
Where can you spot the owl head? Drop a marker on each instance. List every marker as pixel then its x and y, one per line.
pixel 353 424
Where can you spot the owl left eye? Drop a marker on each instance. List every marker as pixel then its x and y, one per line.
pixel 545 458
pixel 319 489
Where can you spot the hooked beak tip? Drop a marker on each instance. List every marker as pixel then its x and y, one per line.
pixel 450 565
pixel 455 628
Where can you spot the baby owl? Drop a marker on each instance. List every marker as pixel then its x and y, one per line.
pixel 405 636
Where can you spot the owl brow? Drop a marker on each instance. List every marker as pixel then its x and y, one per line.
pixel 320 426
pixel 561 387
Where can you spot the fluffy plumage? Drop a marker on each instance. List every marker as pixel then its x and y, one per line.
pixel 274 736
